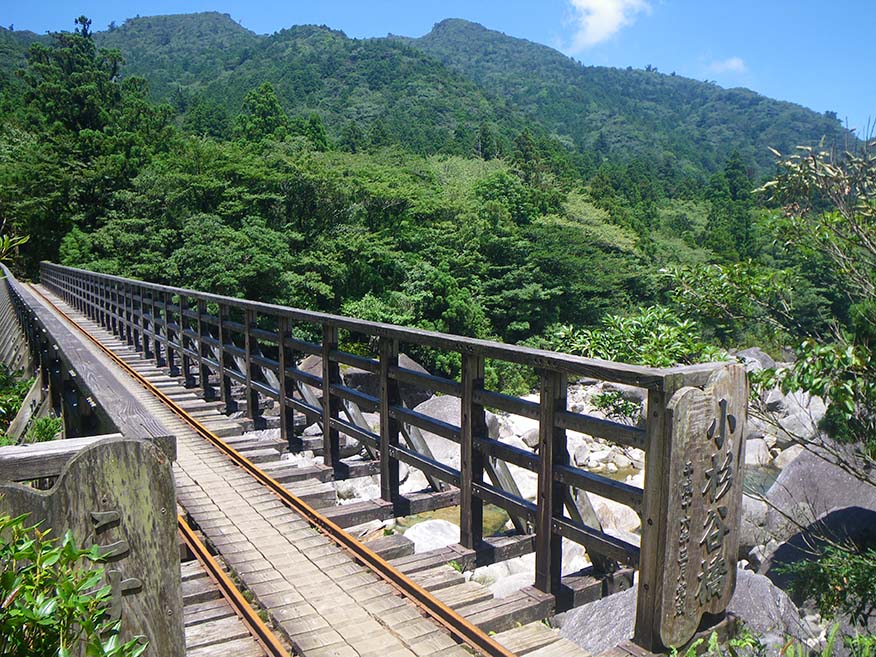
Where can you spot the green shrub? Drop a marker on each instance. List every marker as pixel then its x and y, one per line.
pixel 841 581
pixel 616 407
pixel 863 645
pixel 51 598
pixel 43 429
pixel 13 390
pixel 653 336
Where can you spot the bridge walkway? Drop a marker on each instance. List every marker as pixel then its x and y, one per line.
pixel 324 602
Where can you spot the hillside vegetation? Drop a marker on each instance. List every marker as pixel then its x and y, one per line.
pixel 366 178
pixel 461 89
pixel 627 111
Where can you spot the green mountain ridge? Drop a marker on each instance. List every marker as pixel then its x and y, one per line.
pixel 628 111
pixel 313 69
pixel 436 93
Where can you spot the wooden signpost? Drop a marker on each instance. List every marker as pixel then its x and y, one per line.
pixel 118 494
pixel 703 503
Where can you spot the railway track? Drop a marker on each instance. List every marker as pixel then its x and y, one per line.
pixel 463 631
pixel 264 637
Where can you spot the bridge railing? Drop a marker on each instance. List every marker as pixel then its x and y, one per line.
pixel 219 342
pixel 73 484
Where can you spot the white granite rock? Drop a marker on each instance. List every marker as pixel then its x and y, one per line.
pixel 432 535
pixel 756 452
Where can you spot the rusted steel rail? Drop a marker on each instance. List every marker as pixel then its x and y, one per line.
pixel 458 626
pixel 260 632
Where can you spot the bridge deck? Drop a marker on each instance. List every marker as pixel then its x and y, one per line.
pixel 324 602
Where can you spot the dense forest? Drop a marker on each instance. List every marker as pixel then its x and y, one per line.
pixel 367 178
pixel 364 177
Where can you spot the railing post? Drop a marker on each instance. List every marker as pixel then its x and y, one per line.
pixel 203 352
pixel 253 410
pixel 169 336
pixel 110 292
pixel 473 426
pixel 389 426
pixel 127 314
pixel 100 314
pixel 551 449
pixel 287 414
pixel 331 406
pixel 224 379
pixel 112 304
pixel 186 342
pixel 107 296
pixel 147 329
pixel 128 298
pixel 658 452
pixel 156 333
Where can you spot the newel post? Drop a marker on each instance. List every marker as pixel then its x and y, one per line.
pixel 693 496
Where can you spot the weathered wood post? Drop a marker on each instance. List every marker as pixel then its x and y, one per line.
pixel 169 336
pixel 287 414
pixel 551 449
pixel 117 494
pixel 207 390
pixel 251 346
pixel 389 426
pixel 693 495
pixel 473 426
pixel 331 405
pixel 224 338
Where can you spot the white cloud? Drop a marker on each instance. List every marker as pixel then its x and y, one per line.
pixel 598 20
pixel 729 65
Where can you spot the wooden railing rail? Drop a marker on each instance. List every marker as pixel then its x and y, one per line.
pixel 216 341
pixel 80 389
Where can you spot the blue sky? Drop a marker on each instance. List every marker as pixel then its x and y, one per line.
pixel 816 53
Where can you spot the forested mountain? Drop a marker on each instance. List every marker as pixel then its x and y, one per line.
pixel 387 90
pixel 461 89
pixel 362 177
pixel 625 112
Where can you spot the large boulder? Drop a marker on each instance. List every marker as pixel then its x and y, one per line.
pixel 852 525
pixel 369 382
pixel 627 393
pixel 755 359
pixel 614 515
pixel 446 408
pixel 762 606
pixel 787 456
pixel 357 489
pixel 757 453
pixel 766 609
pixel 752 531
pixel 603 624
pixel 799 418
pixel 810 487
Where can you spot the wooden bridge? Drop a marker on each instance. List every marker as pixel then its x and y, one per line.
pixel 191 371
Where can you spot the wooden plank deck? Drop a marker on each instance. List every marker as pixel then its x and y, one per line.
pixel 212 629
pixel 322 601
